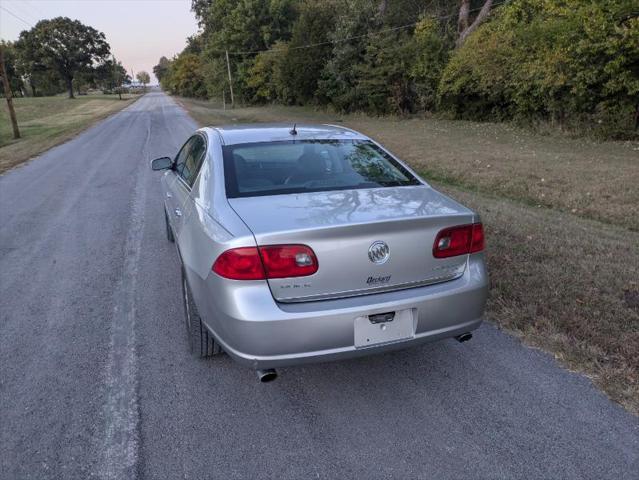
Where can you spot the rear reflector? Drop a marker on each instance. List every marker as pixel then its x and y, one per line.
pixel 460 240
pixel 272 261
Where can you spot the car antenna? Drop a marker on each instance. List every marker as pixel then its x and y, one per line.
pixel 293 132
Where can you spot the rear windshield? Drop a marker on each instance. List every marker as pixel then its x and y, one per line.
pixel 272 168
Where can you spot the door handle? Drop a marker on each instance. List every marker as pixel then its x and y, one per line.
pixel 178 212
pixel 168 195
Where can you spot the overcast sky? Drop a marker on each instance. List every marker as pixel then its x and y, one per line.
pixel 139 31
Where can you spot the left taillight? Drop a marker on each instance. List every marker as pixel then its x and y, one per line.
pixel 240 264
pixel 460 240
pixel 270 261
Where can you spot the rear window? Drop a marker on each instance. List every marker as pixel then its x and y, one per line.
pixel 272 168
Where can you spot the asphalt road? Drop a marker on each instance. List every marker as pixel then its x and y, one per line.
pixel 97 381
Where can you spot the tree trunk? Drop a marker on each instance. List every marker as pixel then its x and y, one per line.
pixel 463 28
pixel 7 94
pixel 70 86
pixel 381 9
pixel 462 20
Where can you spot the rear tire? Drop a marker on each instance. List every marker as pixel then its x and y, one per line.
pixel 201 343
pixel 169 232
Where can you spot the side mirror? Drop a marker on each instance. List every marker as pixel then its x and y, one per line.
pixel 162 163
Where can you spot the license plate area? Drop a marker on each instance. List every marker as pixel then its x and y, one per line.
pixel 384 328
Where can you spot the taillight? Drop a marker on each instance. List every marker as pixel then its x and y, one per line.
pixel 240 264
pixel 477 243
pixel 460 240
pixel 271 261
pixel 282 261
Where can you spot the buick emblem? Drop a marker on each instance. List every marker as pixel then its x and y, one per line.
pixel 378 252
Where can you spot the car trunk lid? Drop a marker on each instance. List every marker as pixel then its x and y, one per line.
pixel 365 241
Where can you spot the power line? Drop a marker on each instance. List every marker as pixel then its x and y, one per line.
pixel 16 16
pixel 22 9
pixel 347 39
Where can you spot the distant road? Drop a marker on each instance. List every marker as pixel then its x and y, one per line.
pixel 97 382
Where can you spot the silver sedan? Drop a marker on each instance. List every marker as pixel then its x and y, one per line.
pixel 312 243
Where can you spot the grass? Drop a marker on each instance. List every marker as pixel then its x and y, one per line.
pixel 47 121
pixel 562 222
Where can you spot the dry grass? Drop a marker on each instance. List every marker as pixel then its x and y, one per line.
pixel 47 121
pixel 560 280
pixel 567 285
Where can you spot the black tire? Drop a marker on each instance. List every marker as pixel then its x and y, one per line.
pixel 201 342
pixel 169 232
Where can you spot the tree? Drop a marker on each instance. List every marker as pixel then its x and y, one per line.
pixel 246 26
pixel 7 94
pixel 144 78
pixel 464 28
pixel 161 69
pixel 383 77
pixel 432 49
pixel 302 67
pixel 110 75
pixel 184 76
pixel 264 78
pixel 11 67
pixel 65 46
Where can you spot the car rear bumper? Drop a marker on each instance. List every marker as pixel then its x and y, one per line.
pixel 260 333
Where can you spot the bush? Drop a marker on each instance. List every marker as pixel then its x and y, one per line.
pixel 568 62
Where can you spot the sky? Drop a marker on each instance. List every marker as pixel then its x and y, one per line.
pixel 139 31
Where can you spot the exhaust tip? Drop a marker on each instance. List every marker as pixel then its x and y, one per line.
pixel 464 337
pixel 266 375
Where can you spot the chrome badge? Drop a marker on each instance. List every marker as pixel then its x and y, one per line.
pixel 378 252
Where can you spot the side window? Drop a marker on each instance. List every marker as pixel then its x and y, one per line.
pixel 189 160
pixel 180 158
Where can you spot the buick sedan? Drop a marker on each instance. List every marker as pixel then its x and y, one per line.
pixel 313 243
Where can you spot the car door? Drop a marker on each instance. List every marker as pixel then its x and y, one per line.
pixel 173 208
pixel 188 164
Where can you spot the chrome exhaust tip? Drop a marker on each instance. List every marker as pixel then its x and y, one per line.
pixel 266 375
pixel 464 337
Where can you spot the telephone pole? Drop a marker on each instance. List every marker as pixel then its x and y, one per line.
pixel 8 96
pixel 116 80
pixel 228 67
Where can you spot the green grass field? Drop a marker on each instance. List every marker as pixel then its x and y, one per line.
pixel 47 121
pixel 561 218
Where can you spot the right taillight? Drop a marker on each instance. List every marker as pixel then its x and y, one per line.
pixel 284 261
pixel 460 240
pixel 271 261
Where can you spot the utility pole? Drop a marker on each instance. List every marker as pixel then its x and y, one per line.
pixel 8 96
pixel 116 77
pixel 228 67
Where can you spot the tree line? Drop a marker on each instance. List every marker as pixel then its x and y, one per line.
pixel 60 55
pixel 571 63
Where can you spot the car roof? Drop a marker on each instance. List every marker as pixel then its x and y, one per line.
pixel 275 132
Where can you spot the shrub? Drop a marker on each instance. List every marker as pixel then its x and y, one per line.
pixel 568 62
